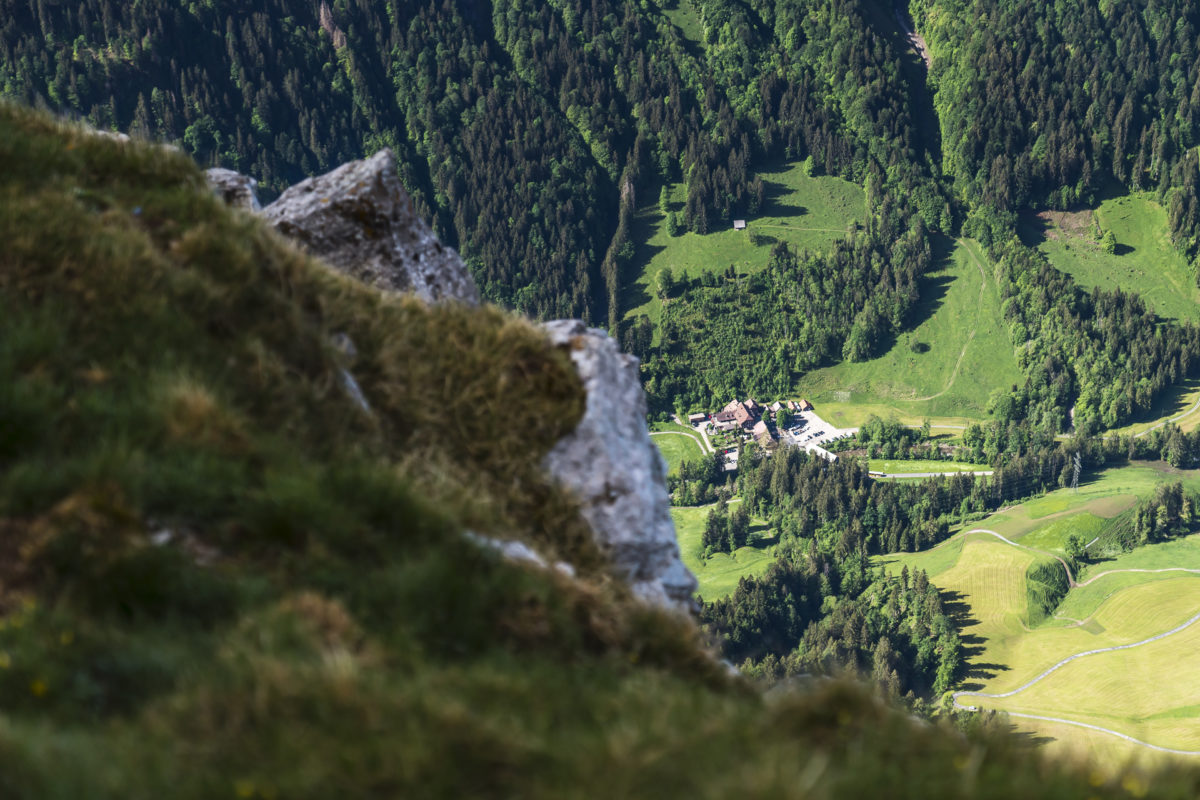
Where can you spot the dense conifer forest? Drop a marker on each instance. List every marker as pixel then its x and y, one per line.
pixel 530 133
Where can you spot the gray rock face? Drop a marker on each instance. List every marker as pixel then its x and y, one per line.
pixel 236 189
pixel 617 472
pixel 360 220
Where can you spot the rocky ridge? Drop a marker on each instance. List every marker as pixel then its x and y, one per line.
pixel 359 219
pixel 617 472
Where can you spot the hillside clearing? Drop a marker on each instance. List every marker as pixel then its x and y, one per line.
pixel 806 212
pixel 719 575
pixel 1145 261
pixel 945 367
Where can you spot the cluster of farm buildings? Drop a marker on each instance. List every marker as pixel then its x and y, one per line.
pixel 751 418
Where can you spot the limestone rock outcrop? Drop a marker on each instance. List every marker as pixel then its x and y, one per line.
pixel 360 220
pixel 616 471
pixel 236 189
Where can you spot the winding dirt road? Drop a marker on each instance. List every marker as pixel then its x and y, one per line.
pixel 1070 578
pixel 1062 664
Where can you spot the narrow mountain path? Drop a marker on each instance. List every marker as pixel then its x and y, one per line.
pixel 1158 637
pixel 1175 418
pixel 1076 657
pixel 705 444
pixel 1109 731
pixel 1161 423
pixel 1118 571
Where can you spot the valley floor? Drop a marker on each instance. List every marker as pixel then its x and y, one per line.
pixel 1120 658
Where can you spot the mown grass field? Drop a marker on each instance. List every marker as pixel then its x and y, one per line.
pixel 1103 579
pixel 676 447
pixel 1145 260
pixel 1103 493
pixel 1148 692
pixel 806 212
pixel 719 575
pixel 1053 536
pixel 1067 742
pixel 900 467
pixel 944 368
pixel 934 561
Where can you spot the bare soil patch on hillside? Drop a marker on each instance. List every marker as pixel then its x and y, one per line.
pixel 1076 224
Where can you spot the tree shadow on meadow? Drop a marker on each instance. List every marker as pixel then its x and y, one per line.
pixel 773 203
pixel 972 646
pixel 935 284
pixel 1032 228
pixel 1033 740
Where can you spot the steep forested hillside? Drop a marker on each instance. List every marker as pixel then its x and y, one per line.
pixel 531 131
pixel 1045 104
pixel 525 129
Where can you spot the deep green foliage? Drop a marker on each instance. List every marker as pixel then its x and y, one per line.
pixel 1046 585
pixel 1170 512
pixel 1103 351
pixel 699 481
pixel 283 92
pixel 731 335
pixel 725 531
pixel 812 613
pixel 528 130
pixel 804 496
pixel 889 439
pixel 526 135
pixel 1047 102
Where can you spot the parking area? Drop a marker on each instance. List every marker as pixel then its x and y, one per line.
pixel 811 431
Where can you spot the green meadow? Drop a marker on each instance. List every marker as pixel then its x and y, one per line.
pixel 806 212
pixel 719 575
pixel 944 368
pixel 676 447
pixel 1145 260
pixel 900 467
pixel 685 18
